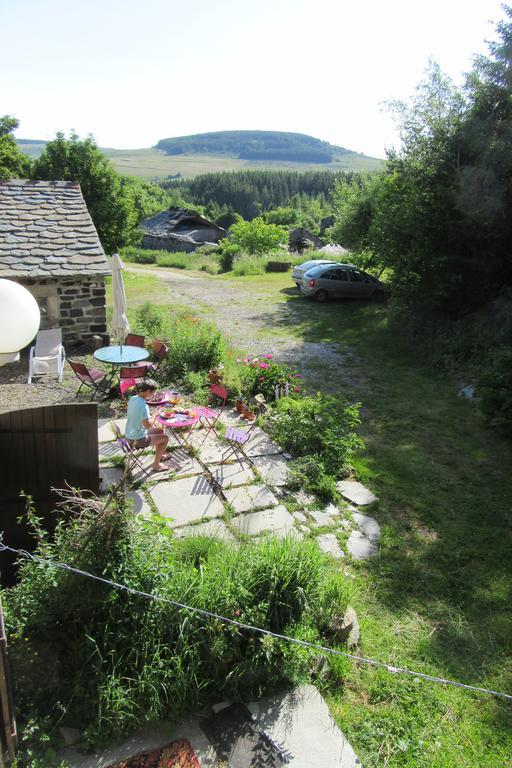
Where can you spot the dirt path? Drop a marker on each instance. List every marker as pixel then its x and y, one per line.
pixel 260 321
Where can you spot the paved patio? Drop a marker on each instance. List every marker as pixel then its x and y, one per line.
pixel 234 502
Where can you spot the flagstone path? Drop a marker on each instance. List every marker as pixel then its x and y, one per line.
pixel 239 501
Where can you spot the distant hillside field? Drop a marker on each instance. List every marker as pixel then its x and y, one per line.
pixel 152 163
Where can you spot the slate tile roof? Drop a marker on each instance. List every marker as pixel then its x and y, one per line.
pixel 180 224
pixel 47 231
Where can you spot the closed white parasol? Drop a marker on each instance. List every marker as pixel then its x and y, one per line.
pixel 120 324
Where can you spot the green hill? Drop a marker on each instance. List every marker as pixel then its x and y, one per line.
pixel 190 156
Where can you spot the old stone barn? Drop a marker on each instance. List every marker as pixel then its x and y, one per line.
pixel 180 229
pixel 49 244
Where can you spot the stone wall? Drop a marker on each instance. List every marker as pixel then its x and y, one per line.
pixel 77 305
pixel 154 242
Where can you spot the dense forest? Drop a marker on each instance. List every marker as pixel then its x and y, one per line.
pixel 255 145
pixel 250 193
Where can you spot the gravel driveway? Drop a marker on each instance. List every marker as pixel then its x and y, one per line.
pixel 257 321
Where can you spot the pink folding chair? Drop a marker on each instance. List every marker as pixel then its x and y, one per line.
pixel 236 438
pixel 132 456
pixel 135 340
pixel 125 385
pixel 92 378
pixel 137 372
pixel 208 416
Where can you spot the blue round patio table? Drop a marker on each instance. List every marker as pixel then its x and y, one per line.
pixel 118 355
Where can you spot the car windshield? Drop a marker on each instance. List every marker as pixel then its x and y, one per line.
pixel 309 265
pixel 316 271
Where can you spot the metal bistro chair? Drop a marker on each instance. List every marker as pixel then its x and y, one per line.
pixel 160 351
pixel 132 456
pixel 236 438
pixel 92 378
pixel 48 355
pixel 135 340
pixel 136 372
pixel 208 416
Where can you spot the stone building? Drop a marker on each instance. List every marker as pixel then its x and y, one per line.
pixel 49 244
pixel 179 229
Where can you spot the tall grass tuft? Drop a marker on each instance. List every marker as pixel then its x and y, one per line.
pixel 87 653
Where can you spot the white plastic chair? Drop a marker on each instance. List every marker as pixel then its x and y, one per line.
pixel 48 355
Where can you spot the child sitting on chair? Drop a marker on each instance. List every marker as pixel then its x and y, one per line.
pixel 140 431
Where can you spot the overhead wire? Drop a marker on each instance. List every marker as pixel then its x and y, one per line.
pixel 396 670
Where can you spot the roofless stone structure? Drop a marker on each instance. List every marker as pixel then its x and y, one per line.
pixel 49 244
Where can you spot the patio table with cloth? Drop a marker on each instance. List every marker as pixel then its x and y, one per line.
pixel 177 422
pixel 119 356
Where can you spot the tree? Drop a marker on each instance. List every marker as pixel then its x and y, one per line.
pixel 257 237
pixel 13 163
pixel 110 205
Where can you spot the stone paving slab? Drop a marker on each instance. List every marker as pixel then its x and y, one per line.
pixel 105 434
pixel 329 544
pixel 109 476
pixel 360 546
pixel 215 528
pixel 187 500
pixel 210 452
pixel 356 492
pixel 300 721
pixel 140 505
pixel 106 451
pixel 250 497
pixel 232 474
pixel 273 469
pixel 277 520
pixel 368 525
pixel 260 444
pixel 304 498
pixel 327 516
pixel 180 464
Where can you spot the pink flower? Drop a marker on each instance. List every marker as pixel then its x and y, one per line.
pixel 269 357
pixel 263 365
pixel 239 359
pixel 298 376
pixel 296 389
pixel 261 378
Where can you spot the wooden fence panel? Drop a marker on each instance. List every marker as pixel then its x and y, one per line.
pixel 41 448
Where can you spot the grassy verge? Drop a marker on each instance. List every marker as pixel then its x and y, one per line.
pixel 437 597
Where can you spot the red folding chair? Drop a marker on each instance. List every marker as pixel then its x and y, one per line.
pixel 92 378
pixel 208 416
pixel 160 353
pixel 125 385
pixel 136 372
pixel 135 340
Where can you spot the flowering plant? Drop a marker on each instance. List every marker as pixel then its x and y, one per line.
pixel 273 380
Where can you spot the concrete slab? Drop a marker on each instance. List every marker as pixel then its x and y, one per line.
pixel 368 525
pixel 105 433
pixel 304 498
pixel 250 497
pixel 273 469
pixel 227 475
pixel 145 740
pixel 215 528
pixel 260 444
pixel 360 546
pixel 329 544
pixel 356 492
pixel 210 452
pixel 277 521
pixel 299 720
pixel 140 505
pixel 109 476
pixel 187 500
pixel 324 516
pixel 107 451
pixel 300 517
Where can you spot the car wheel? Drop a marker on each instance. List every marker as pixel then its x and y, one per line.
pixel 321 296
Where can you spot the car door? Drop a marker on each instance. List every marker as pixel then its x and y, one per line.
pixel 359 287
pixel 339 282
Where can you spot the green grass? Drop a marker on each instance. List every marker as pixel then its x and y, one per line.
pixel 437 597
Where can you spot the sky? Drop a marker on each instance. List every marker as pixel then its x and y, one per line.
pixel 132 72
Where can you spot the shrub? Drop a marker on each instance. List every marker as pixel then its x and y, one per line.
pixel 257 237
pixel 228 251
pixel 83 652
pixel 320 426
pixel 263 374
pixel 309 473
pixel 138 255
pixel 249 265
pixel 194 345
pixel 495 388
pixel 149 319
